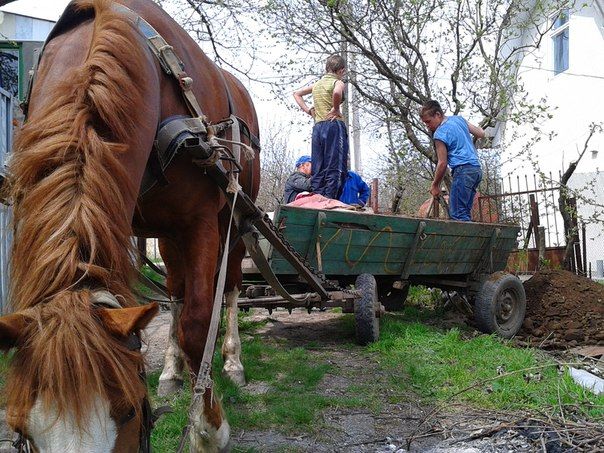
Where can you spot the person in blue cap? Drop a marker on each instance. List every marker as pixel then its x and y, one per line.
pixel 355 190
pixel 298 181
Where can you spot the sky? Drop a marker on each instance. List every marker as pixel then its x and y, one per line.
pixel 43 9
pixel 270 109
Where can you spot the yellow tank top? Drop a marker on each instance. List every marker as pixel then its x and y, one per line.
pixel 322 96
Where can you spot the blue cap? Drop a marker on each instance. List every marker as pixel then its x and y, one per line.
pixel 302 160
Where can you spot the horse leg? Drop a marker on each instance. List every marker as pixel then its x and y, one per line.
pixel 231 346
pixel 171 378
pixel 209 428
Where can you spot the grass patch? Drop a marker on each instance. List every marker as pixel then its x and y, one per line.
pixel 282 392
pixel 4 363
pixel 288 400
pixel 418 360
pixel 438 365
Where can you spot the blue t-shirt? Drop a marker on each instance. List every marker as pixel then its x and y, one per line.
pixel 455 134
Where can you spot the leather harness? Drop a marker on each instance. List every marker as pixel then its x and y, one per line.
pixel 174 135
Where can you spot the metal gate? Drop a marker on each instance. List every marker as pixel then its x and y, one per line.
pixel 6 139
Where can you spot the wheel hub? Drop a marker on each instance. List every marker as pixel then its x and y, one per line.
pixel 505 306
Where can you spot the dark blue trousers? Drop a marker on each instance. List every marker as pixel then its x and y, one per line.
pixel 463 189
pixel 329 158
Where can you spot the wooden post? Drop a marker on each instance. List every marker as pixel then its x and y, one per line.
pixel 373 198
pixel 541 247
pixel 583 232
pixel 575 240
pixel 141 245
pixel 534 218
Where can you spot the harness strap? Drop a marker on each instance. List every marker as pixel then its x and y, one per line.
pixel 168 59
pixel 204 378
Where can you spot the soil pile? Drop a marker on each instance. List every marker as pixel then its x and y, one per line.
pixel 563 310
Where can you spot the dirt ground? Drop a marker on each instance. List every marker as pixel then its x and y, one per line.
pixel 563 311
pixel 434 430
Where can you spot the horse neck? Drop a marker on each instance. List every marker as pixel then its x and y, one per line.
pixel 79 161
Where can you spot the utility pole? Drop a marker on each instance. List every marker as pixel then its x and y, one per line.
pixel 346 103
pixel 353 108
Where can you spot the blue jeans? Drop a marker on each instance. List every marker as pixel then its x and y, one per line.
pixel 463 189
pixel 329 158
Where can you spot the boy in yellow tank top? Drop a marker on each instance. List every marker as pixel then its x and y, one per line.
pixel 329 135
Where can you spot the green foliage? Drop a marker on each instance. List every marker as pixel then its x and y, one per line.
pixel 152 275
pixel 167 431
pixel 544 263
pixel 420 296
pixel 4 363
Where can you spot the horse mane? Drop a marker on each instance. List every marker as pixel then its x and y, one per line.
pixel 72 228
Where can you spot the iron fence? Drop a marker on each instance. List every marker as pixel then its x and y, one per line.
pixel 529 202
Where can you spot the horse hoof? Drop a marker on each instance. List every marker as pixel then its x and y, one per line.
pixel 168 386
pixel 236 376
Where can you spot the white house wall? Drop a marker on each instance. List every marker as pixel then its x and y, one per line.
pixel 575 100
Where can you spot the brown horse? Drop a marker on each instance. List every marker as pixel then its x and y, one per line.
pixel 98 97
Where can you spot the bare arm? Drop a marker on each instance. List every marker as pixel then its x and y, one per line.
pixel 441 167
pixel 299 97
pixel 476 131
pixel 338 95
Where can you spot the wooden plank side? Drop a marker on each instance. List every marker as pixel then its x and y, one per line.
pixel 306 217
pixel 282 267
pixel 341 268
pixel 339 236
pixel 333 241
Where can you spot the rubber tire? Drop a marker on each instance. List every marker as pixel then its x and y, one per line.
pixel 367 324
pixel 500 290
pixel 394 299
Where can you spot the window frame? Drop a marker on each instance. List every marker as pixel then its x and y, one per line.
pixel 555 33
pixel 7 45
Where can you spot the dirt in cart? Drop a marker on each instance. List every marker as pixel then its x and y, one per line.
pixel 563 310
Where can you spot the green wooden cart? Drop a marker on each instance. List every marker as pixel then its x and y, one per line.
pixel 382 256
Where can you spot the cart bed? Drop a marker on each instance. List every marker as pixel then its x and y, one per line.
pixel 353 243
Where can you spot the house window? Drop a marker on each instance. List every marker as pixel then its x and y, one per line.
pixel 9 70
pixel 560 33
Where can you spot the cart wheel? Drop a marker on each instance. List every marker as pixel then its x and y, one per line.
pixel 365 308
pixel 394 299
pixel 500 305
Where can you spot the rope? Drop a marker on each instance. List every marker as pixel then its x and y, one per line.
pixel 249 152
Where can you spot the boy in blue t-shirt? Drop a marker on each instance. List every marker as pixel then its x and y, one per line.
pixel 454 146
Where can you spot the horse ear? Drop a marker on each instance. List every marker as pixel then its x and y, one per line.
pixel 11 328
pixel 124 321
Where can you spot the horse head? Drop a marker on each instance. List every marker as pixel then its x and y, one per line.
pixel 74 381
